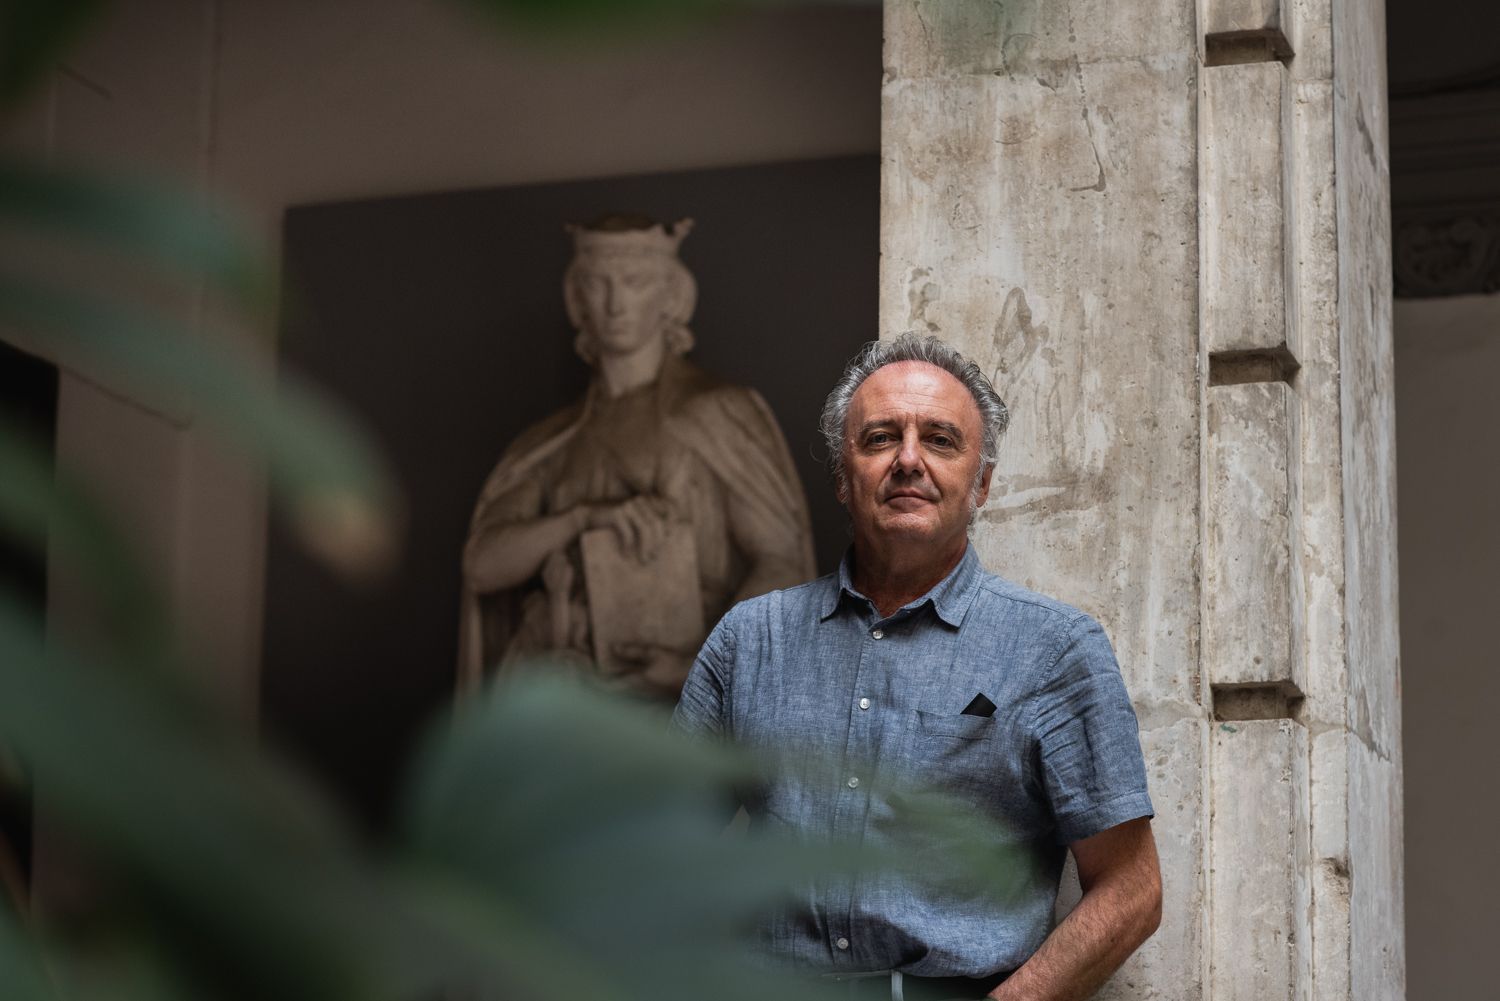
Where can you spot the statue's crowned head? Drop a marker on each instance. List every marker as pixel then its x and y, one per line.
pixel 626 285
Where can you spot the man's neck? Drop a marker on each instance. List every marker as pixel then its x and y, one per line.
pixel 622 373
pixel 893 576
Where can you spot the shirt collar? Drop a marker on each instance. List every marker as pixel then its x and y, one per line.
pixel 950 597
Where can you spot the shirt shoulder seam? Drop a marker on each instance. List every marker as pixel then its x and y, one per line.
pixel 1063 641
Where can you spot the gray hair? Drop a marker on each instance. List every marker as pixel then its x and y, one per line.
pixel 994 417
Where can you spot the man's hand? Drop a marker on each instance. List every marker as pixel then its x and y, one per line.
pixel 1121 907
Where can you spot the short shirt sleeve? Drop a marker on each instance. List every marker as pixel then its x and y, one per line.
pixel 1087 739
pixel 703 707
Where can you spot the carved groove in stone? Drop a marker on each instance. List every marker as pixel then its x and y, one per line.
pixel 1244 31
pixel 1234 368
pixel 1232 48
pixel 1278 700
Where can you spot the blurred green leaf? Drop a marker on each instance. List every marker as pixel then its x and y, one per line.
pixel 956 851
pixel 499 952
pixel 335 484
pixel 239 864
pixel 21 969
pixel 33 36
pixel 45 510
pixel 148 222
pixel 128 967
pixel 587 815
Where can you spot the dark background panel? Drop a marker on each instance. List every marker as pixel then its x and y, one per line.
pixel 439 319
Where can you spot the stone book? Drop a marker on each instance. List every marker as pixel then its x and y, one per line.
pixel 653 603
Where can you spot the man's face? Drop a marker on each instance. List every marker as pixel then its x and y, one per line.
pixel 623 299
pixel 912 459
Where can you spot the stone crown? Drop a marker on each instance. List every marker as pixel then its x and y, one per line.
pixel 657 239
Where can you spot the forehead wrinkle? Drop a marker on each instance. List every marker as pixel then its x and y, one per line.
pixel 912 392
pixel 924 419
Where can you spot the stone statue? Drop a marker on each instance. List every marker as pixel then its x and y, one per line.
pixel 612 534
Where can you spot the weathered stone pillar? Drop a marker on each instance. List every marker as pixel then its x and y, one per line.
pixel 1162 227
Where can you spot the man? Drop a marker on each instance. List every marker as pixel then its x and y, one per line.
pixel 613 532
pixel 913 664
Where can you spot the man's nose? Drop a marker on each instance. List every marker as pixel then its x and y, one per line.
pixel 909 455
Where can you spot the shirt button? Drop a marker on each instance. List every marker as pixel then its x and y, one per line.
pixel 842 943
pixel 878 633
pixel 854 782
pixel 864 703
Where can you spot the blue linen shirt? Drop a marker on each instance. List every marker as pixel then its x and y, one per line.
pixel 814 674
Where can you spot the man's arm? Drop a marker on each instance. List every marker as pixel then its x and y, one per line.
pixel 1121 907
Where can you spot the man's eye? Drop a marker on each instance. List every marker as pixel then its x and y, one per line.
pixel 878 438
pixel 941 441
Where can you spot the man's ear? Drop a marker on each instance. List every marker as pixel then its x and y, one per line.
pixel 984 485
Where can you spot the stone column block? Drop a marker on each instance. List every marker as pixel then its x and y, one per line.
pixel 1258 833
pixel 1330 882
pixel 1252 573
pixel 1176 766
pixel 1223 17
pixel 1243 218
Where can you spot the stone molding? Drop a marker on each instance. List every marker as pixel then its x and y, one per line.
pixel 1445 191
pixel 1459 255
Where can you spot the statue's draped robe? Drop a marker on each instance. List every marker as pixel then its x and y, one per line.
pixel 712 450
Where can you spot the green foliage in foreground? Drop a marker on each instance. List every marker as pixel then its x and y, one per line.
pixel 556 844
pixel 553 842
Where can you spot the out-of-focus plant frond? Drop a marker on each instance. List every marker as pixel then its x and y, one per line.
pixel 554 844
pixel 605 873
pixel 142 222
pixel 334 484
pixel 585 814
pixel 42 509
pixel 22 972
pixel 224 855
pixel 33 36
pixel 956 851
pixel 600 831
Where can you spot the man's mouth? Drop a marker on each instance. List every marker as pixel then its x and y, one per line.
pixel 907 495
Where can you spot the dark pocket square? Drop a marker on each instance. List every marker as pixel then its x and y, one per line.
pixel 981 706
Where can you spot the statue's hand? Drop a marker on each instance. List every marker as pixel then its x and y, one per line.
pixel 654 668
pixel 640 523
pixel 557 574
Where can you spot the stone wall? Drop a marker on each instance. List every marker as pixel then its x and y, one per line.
pixel 1162 228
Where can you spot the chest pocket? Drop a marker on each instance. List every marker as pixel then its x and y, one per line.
pixel 956 754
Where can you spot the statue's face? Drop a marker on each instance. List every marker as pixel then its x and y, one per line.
pixel 624 300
